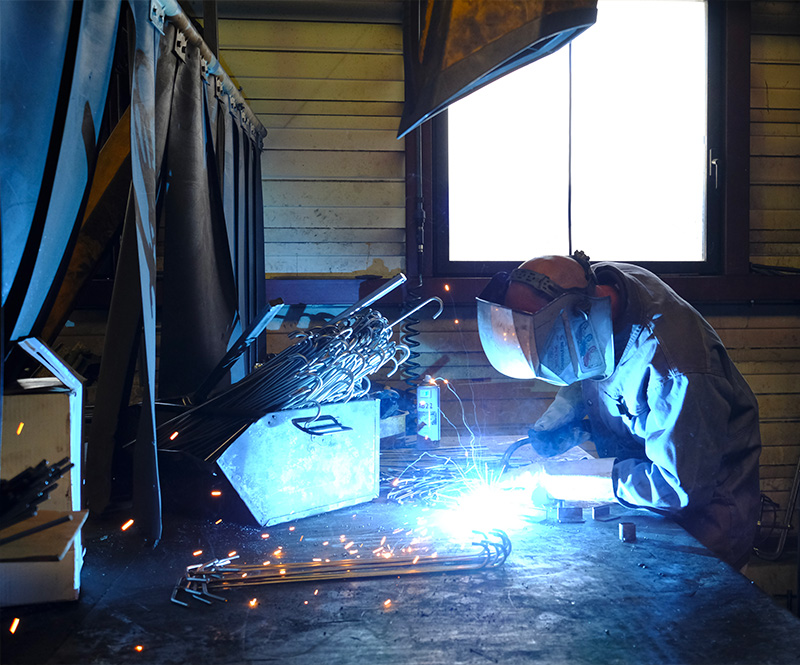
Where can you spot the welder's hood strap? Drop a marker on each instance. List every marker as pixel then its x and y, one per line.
pixel 496 290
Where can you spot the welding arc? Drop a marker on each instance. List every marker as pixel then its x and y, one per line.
pixel 326 364
pixel 219 574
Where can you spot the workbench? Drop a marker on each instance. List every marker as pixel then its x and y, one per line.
pixel 568 593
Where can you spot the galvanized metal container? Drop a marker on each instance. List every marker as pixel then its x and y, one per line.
pixel 292 464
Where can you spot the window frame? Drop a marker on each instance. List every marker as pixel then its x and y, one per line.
pixel 733 284
pixel 439 209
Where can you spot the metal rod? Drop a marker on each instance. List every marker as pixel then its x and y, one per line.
pixel 175 14
pixel 391 285
pixel 219 574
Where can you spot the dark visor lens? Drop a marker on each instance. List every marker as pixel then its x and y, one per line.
pixel 495 290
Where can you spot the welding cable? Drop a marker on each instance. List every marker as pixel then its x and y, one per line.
pixel 514 447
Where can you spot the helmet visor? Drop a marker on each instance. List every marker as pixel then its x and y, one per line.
pixel 568 340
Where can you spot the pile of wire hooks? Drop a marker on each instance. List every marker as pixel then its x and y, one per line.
pixel 326 364
pixel 201 580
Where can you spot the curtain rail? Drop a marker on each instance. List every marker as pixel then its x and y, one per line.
pixel 174 13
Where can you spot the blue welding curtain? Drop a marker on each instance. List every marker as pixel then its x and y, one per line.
pixel 453 47
pixel 55 61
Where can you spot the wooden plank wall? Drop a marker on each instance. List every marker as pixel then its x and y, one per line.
pixel 775 134
pixel 330 95
pixel 767 349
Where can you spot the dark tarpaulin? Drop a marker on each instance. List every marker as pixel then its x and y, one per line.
pixel 55 68
pixel 454 47
pixel 124 329
pixel 199 294
pixel 144 169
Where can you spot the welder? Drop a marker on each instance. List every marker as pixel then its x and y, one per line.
pixel 645 378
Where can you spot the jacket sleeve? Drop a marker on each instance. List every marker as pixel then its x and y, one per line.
pixel 685 430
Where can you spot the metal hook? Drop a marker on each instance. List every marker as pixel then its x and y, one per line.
pixel 419 307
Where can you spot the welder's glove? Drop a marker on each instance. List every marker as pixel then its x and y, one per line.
pixel 566 407
pixel 562 426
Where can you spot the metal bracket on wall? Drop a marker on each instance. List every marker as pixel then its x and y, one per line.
pixel 181 45
pixel 157 15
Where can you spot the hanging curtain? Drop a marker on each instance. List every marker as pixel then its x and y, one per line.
pixel 50 112
pixel 199 305
pixel 453 47
pixel 194 165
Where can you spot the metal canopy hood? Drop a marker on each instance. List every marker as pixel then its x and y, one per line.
pixel 454 47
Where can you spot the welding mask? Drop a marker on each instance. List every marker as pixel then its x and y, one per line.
pixel 568 340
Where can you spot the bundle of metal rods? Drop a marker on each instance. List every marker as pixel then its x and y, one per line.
pixel 326 364
pixel 21 495
pixel 200 580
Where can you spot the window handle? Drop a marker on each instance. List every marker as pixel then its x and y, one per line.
pixel 713 167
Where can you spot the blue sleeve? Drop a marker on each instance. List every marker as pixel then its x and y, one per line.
pixel 685 432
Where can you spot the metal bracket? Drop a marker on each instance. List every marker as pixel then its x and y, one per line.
pixel 181 45
pixel 219 91
pixel 157 15
pixel 204 67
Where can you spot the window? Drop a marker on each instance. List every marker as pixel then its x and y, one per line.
pixel 605 146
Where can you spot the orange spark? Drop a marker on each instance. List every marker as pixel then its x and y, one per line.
pixel 216 493
pixel 139 647
pixel 197 552
pixel 387 602
pixel 19 428
pixel 127 525
pixel 14 625
pixel 254 602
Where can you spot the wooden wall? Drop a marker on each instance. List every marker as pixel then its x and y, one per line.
pixel 775 134
pixel 330 95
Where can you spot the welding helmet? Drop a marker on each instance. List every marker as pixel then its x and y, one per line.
pixel 568 340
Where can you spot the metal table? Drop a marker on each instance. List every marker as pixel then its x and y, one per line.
pixel 569 593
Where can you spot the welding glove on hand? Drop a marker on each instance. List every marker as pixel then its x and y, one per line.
pixel 562 425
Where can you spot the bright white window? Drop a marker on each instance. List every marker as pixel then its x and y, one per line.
pixel 630 158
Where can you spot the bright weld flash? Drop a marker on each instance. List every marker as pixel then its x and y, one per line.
pixel 486 507
pixel 127 525
pixel 14 626
pixel 139 647
pixel 254 602
pixel 216 493
pixel 173 436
